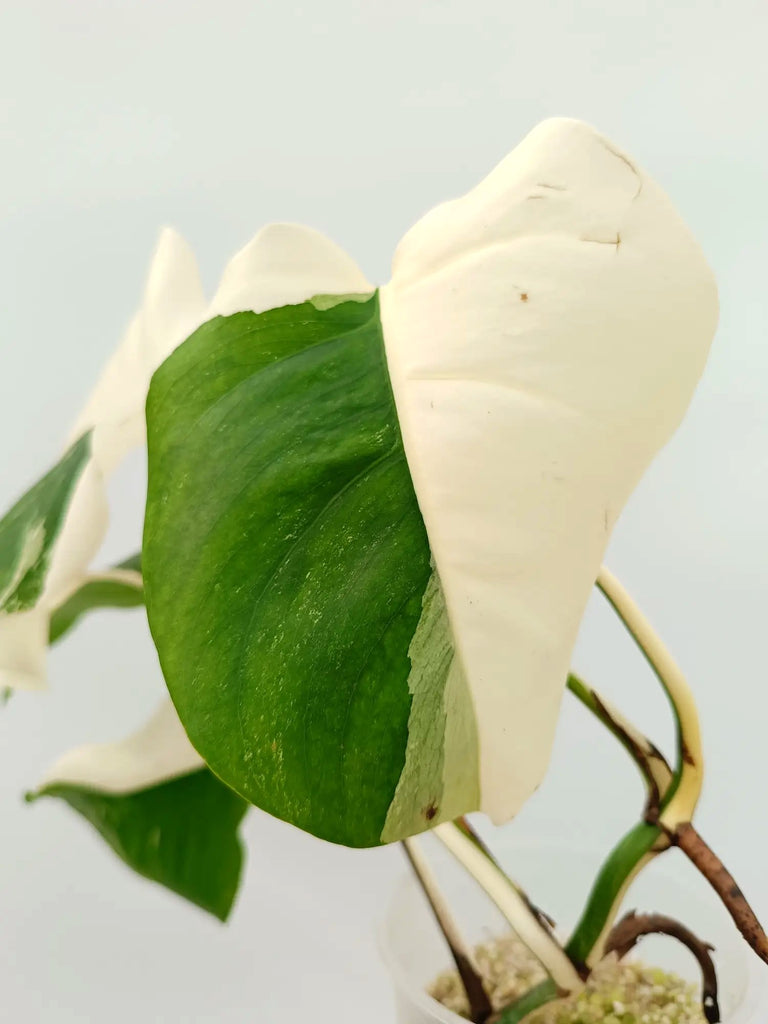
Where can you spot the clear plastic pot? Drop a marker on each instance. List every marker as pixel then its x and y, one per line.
pixel 558 878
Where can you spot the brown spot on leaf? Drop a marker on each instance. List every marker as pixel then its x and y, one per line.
pixel 523 296
pixel 430 811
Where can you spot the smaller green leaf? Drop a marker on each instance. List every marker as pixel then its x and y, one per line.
pixel 285 565
pixel 181 834
pixel 29 530
pixel 98 592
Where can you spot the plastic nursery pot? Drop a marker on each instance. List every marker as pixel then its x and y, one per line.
pixel 558 878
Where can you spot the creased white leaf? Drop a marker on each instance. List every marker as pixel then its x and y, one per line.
pixel 173 306
pixel 544 336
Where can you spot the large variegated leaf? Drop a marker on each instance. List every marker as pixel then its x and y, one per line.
pixel 29 530
pixel 181 833
pixel 288 578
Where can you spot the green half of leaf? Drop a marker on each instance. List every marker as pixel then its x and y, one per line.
pixel 287 569
pixel 181 834
pixel 29 531
pixel 107 591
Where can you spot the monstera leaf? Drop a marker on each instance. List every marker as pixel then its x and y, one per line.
pixel 181 834
pixel 297 650
pixel 373 525
pixel 151 798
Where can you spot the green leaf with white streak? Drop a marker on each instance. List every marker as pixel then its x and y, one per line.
pixel 120 587
pixel 29 531
pixel 288 578
pixel 181 834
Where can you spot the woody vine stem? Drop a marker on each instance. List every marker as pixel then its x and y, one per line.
pixel 672 797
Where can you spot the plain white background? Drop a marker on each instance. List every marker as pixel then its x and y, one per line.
pixel 355 117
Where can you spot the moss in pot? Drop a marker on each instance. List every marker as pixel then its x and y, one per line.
pixel 616 992
pixel 373 521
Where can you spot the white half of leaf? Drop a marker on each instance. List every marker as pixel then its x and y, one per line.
pixel 544 336
pixel 173 305
pixel 159 751
pixel 23 643
pixel 282 265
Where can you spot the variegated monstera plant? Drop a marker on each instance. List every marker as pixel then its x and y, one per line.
pixel 374 519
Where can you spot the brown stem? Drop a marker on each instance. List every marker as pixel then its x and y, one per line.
pixel 628 932
pixel 724 884
pixel 648 758
pixel 480 1007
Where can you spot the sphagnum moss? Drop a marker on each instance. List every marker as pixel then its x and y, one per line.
pixel 616 993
